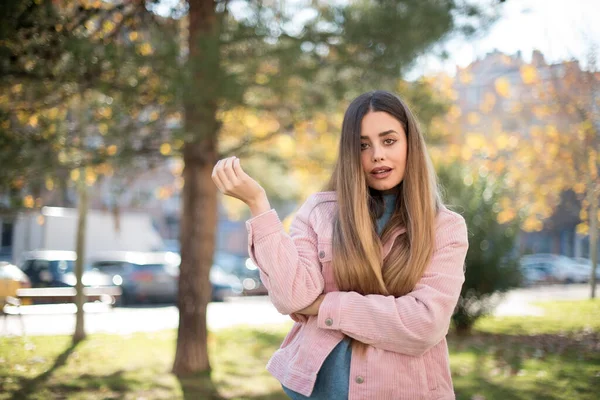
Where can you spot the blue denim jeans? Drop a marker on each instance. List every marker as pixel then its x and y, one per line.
pixel 333 377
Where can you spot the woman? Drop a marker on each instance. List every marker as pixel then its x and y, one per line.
pixel 371 270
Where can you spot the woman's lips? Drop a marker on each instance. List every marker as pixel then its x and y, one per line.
pixel 381 174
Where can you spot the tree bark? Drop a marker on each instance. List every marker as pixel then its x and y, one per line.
pixel 199 196
pixel 79 334
pixel 198 226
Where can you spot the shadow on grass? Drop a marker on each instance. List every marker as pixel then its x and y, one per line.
pixel 509 354
pixel 488 390
pixel 198 386
pixel 556 344
pixel 116 382
pixel 28 386
pixel 201 386
pixel 269 396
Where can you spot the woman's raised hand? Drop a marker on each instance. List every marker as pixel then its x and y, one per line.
pixel 231 180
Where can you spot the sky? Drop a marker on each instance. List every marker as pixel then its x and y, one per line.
pixel 561 29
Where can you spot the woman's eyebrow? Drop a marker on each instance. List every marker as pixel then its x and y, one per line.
pixel 384 133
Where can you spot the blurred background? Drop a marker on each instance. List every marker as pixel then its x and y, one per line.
pixel 114 239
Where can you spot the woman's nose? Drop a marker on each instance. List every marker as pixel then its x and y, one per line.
pixel 377 155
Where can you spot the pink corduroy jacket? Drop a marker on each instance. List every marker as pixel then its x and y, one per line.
pixel 407 357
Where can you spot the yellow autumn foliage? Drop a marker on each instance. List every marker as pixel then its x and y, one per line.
pixel 454 112
pixel 286 145
pixel 28 201
pixel 33 121
pixel 506 215
pixel 592 164
pixel 473 118
pixel 466 154
pixel 475 141
pixel 583 229
pixel 165 149
pixel 320 124
pixel 528 74
pixel 532 224
pixel 502 141
pixel 145 49
pixel 90 176
pixel 489 101
pixel 502 86
pixel 465 76
pixel 74 175
pixel 108 26
pixel 579 188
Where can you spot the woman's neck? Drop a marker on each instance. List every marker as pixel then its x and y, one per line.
pixel 392 191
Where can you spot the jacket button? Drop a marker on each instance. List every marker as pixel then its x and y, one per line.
pixel 359 379
pixel 321 254
pixel 328 322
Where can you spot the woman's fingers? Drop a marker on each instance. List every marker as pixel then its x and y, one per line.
pixel 227 184
pixel 225 177
pixel 215 177
pixel 229 171
pixel 233 181
pixel 237 168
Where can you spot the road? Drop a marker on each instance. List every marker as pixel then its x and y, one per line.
pixel 59 319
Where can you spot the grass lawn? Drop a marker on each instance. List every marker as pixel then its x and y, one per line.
pixel 556 356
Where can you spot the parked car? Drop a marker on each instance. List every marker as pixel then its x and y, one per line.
pixel 56 268
pixel 224 284
pixel 536 272
pixel 11 279
pixel 557 268
pixel 142 276
pixel 145 276
pixel 586 263
pixel 253 285
pixel 244 269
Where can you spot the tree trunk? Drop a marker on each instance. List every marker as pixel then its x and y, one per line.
pixel 198 226
pixel 199 197
pixel 79 334
pixel 593 236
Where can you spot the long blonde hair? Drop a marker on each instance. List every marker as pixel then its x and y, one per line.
pixel 358 262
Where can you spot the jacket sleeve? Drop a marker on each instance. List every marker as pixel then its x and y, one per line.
pixel 289 264
pixel 417 321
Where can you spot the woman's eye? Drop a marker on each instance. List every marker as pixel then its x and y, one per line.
pixel 389 141
pixel 364 146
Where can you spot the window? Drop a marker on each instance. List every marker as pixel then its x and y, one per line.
pixel 472 96
pixel 110 267
pixel 26 266
pixel 40 265
pixel 62 266
pixel 7 234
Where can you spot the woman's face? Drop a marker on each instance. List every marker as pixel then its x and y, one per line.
pixel 383 150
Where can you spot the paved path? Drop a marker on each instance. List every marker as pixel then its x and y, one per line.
pixel 60 319
pixel 518 301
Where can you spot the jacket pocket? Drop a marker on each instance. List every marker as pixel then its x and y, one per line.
pixel 431 370
pixel 325 258
pixel 325 249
